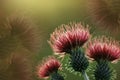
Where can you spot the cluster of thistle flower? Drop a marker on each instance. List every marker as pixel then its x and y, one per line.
pixel 71 39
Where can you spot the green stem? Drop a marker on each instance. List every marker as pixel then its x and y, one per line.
pixel 103 70
pixel 56 76
pixel 85 75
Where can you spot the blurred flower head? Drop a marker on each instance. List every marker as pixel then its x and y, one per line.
pixel 48 66
pixel 19 68
pixel 24 31
pixel 103 48
pixel 66 37
pixel 105 12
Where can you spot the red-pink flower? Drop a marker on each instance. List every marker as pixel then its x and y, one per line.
pixel 66 37
pixel 48 66
pixel 103 48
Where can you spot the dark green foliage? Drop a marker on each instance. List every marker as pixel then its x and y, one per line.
pixel 78 60
pixel 103 71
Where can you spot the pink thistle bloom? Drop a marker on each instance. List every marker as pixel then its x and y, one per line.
pixel 103 48
pixel 48 66
pixel 66 37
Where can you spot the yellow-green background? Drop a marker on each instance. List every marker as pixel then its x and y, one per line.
pixel 48 14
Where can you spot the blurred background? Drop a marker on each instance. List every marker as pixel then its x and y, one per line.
pixel 103 17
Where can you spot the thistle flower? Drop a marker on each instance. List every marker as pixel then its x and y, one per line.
pixel 19 68
pixel 22 29
pixel 103 71
pixel 78 60
pixel 103 48
pixel 66 37
pixel 105 12
pixel 49 66
pixel 7 43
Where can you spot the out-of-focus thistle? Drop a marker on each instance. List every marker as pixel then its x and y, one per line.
pixel 50 67
pixel 15 32
pixel 103 50
pixel 7 42
pixel 18 69
pixel 105 12
pixel 69 39
pixel 22 29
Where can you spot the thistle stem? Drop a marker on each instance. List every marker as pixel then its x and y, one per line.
pixel 56 76
pixel 103 70
pixel 85 75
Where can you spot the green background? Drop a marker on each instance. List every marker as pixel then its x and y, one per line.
pixel 49 14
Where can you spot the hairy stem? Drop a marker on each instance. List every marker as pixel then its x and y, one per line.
pixel 85 75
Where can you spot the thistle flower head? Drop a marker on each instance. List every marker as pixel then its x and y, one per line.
pixel 78 60
pixel 105 12
pixel 66 37
pixel 103 48
pixel 24 31
pixel 47 67
pixel 103 71
pixel 19 68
